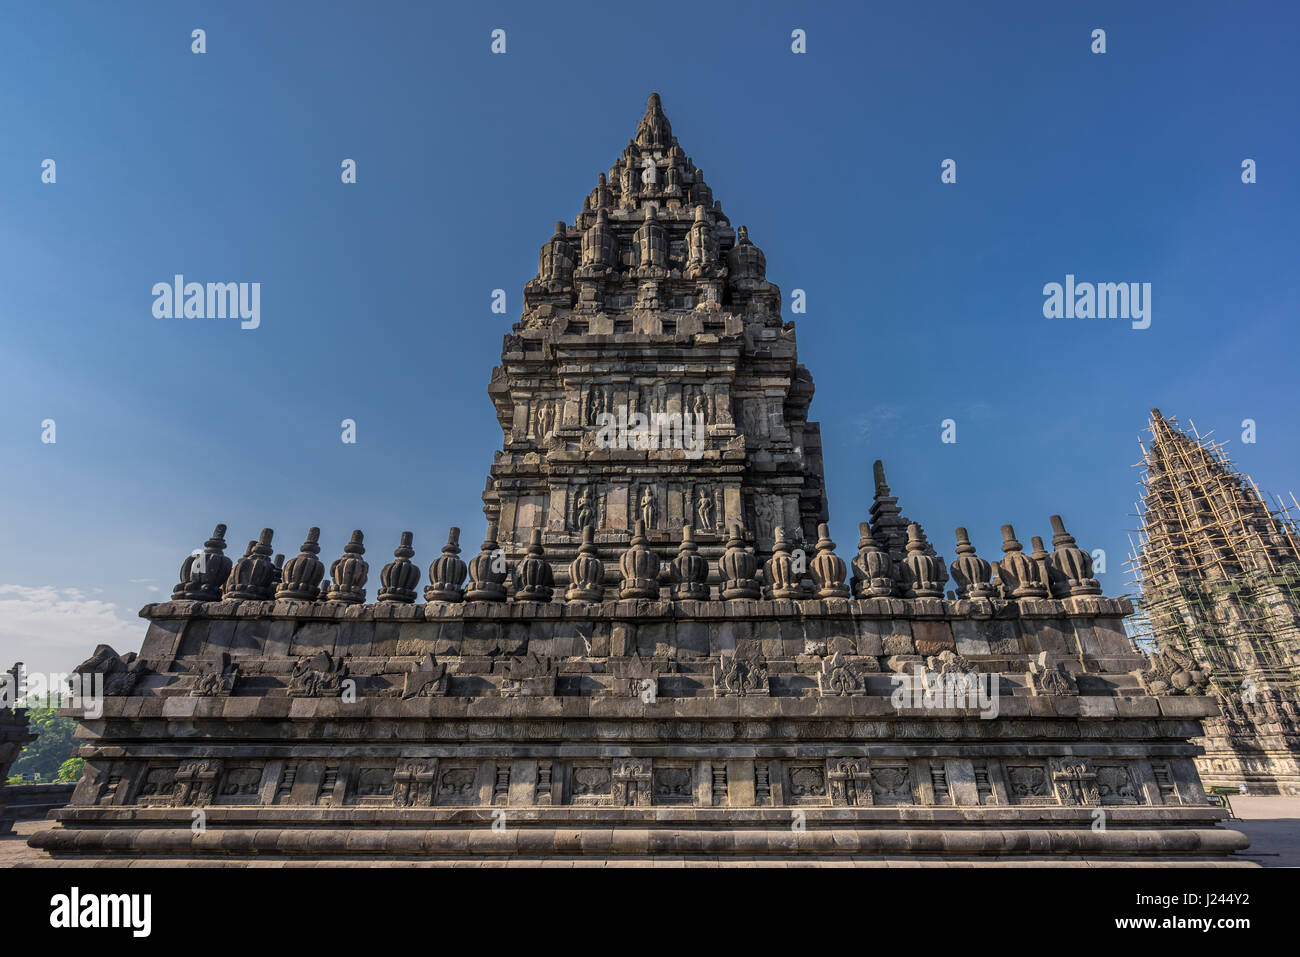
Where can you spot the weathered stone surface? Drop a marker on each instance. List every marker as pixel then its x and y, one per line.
pixel 631 668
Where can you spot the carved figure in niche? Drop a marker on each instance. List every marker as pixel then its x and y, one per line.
pixel 649 508
pixel 601 398
pixel 765 521
pixel 650 174
pixel 701 406
pixel 584 511
pixel 545 419
pixel 705 510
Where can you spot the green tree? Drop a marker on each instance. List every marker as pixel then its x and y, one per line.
pixel 53 746
pixel 70 771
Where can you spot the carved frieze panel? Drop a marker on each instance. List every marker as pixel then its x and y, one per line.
pixel 741 677
pixel 1029 784
pixel 414 782
pixel 590 784
pixel 839 677
pixel 375 785
pixel 456 785
pixel 1116 785
pixel 850 782
pixel 426 678
pixel 631 785
pixel 892 784
pixel 1076 781
pixel 318 675
pixel 195 782
pixel 239 785
pixel 215 677
pixel 807 784
pixel 674 784
pixel 157 786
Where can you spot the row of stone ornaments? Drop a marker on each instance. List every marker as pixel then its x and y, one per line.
pixel 789 574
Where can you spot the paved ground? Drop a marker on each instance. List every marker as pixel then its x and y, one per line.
pixel 1273 826
pixel 1271 823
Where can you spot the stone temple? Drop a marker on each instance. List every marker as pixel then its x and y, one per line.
pixel 1219 572
pixel 658 651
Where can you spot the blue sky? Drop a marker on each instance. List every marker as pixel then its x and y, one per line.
pixel 924 299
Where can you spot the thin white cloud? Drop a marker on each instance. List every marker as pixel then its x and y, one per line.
pixel 53 629
pixel 878 421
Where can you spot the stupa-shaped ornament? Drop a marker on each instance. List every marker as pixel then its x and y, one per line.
pixel 780 576
pixel 873 568
pixel 828 569
pixel 970 573
pixel 738 566
pixel 447 573
pixel 399 578
pixel 640 567
pixel 924 573
pixel 203 575
pixel 300 580
pixel 1072 563
pixel 252 577
pixel 1018 572
pixel 488 570
pixel 690 570
pixel 534 580
pixel 586 571
pixel 349 572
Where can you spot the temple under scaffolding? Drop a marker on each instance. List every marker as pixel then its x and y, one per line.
pixel 1219 573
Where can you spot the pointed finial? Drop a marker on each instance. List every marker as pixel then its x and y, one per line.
pixel 404 549
pixel 1009 543
pixel 1059 535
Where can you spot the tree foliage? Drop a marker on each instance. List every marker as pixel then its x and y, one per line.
pixel 53 746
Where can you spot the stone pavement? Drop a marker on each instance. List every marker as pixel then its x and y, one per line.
pixel 1273 826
